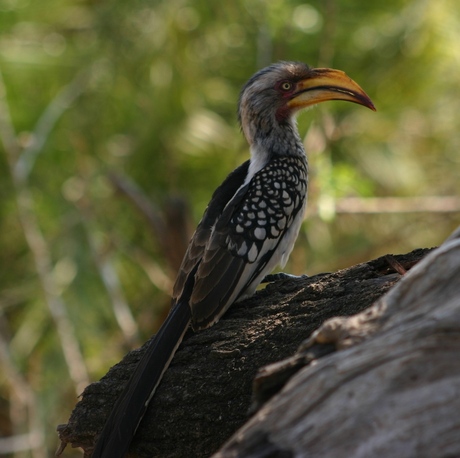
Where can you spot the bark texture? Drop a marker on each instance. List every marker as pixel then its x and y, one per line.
pixel 391 390
pixel 396 354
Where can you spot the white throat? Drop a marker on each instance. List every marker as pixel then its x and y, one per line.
pixel 259 159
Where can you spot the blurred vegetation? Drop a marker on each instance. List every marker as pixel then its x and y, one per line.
pixel 106 106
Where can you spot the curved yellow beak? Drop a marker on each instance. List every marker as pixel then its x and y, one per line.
pixel 328 84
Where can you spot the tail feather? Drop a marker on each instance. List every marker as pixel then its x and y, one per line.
pixel 131 406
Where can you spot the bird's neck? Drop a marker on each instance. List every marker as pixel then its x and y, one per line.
pixel 275 138
pixel 275 142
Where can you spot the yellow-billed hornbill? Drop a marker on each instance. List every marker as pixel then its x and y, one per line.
pixel 249 226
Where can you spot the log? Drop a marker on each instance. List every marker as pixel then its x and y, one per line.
pixel 206 394
pixel 391 388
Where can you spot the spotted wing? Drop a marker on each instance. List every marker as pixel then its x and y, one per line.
pixel 256 231
pixel 200 238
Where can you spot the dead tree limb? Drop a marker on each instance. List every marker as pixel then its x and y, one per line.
pixel 392 389
pixel 206 393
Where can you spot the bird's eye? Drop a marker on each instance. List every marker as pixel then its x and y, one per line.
pixel 286 86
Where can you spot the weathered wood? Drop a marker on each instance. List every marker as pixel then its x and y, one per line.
pixel 206 393
pixel 392 389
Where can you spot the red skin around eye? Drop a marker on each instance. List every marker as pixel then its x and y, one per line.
pixel 283 113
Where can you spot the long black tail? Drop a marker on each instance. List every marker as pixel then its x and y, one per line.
pixel 130 407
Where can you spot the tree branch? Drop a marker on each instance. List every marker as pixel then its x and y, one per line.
pixel 206 393
pixel 392 389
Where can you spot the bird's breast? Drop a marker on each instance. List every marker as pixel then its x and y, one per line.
pixel 275 197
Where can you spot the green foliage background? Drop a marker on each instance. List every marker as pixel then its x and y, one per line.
pixel 148 90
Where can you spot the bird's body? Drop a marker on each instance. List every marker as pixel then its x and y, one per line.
pixel 249 226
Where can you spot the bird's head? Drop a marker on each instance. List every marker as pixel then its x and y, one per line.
pixel 270 100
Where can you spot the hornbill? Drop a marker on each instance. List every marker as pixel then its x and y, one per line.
pixel 249 226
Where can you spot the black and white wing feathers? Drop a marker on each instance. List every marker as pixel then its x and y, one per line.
pixel 255 232
pixel 200 238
